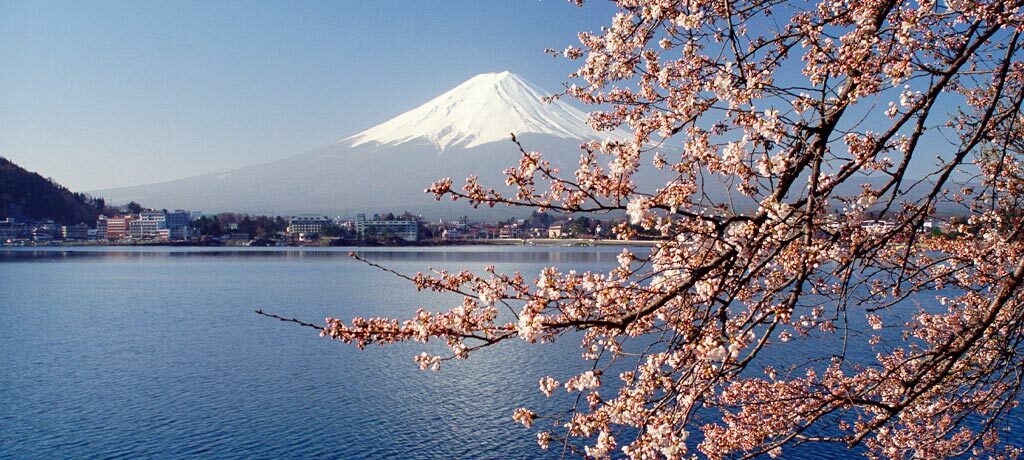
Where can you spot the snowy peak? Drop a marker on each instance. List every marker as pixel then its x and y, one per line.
pixel 483 109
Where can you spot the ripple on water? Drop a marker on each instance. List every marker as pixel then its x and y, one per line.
pixel 152 353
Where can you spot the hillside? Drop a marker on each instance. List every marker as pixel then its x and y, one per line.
pixel 25 195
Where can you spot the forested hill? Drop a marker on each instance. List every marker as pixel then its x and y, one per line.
pixel 25 195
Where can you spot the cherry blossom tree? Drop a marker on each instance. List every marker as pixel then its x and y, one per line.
pixel 813 119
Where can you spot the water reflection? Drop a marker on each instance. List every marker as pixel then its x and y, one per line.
pixel 602 255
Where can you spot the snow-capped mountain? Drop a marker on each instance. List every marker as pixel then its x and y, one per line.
pixel 465 131
pixel 484 109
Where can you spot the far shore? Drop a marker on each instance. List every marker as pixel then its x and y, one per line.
pixel 547 242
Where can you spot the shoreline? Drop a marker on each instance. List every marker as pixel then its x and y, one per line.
pixel 541 242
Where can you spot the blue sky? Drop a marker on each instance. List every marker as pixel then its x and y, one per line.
pixel 105 94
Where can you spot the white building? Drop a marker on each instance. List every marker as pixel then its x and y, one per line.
pixel 147 225
pixel 556 231
pixel 306 227
pixel 407 230
pixel 877 226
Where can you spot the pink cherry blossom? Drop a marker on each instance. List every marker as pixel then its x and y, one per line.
pixel 817 120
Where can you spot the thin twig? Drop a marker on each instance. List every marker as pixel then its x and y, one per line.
pixel 289 320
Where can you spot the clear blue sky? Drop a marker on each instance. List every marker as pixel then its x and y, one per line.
pixel 104 94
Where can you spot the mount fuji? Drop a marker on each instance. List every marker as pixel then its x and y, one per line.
pixel 465 131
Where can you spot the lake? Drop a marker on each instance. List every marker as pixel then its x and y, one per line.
pixel 156 352
pixel 139 352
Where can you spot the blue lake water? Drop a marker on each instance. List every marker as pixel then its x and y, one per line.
pixel 156 352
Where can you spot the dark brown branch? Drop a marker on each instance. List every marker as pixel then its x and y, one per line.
pixel 289 320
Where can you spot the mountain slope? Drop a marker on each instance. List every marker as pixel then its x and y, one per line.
pixel 464 131
pixel 25 195
pixel 339 179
